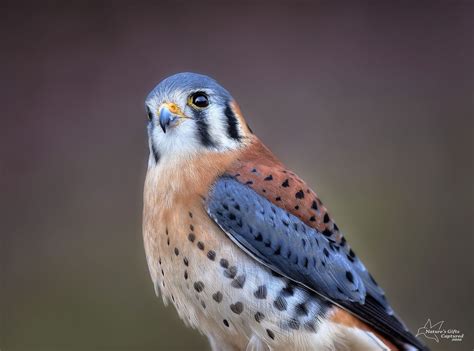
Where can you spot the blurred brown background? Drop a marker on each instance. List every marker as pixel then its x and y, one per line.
pixel 370 102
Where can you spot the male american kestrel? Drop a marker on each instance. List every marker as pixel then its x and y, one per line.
pixel 241 246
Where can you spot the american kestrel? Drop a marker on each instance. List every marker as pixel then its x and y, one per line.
pixel 241 246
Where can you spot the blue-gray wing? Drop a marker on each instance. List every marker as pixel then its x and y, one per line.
pixel 288 246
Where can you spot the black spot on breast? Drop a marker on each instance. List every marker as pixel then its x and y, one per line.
pixel 259 316
pixel 168 241
pixel 288 290
pixel 310 326
pixel 200 245
pixel 203 304
pixel 191 237
pixel 226 323
pixel 301 309
pixel 230 272
pixel 285 184
pixel 191 227
pixel 232 216
pixel 280 303
pixel 278 198
pixel 185 261
pixel 237 207
pixel 312 219
pixel 186 275
pixel 224 263
pixel 249 182
pixel 191 214
pixel 349 277
pixel 199 286
pixel 297 207
pixel 293 324
pixel 268 178
pixel 259 237
pixel 326 252
pixel 211 255
pixel 314 205
pixel 271 334
pixel 238 282
pixel 237 307
pixel 261 292
pixel 176 251
pixel 217 297
pixel 254 170
pixel 300 194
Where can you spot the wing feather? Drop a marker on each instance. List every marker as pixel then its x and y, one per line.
pixel 289 246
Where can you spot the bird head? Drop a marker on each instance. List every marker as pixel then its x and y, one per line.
pixel 190 113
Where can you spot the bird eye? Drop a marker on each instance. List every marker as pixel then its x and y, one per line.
pixel 200 100
pixel 150 115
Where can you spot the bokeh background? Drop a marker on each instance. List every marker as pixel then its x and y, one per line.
pixel 370 102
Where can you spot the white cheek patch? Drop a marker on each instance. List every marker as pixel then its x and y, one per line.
pixel 218 128
pixel 180 140
pixel 184 139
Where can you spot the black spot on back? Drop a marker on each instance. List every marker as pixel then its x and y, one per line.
pixel 326 218
pixel 300 194
pixel 349 277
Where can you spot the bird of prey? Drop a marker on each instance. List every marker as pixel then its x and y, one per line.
pixel 240 245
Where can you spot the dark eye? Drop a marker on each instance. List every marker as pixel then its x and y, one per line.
pixel 200 100
pixel 150 115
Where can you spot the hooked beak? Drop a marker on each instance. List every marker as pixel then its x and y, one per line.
pixel 170 115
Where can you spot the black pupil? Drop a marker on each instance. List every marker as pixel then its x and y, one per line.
pixel 200 100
